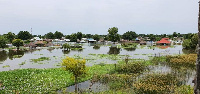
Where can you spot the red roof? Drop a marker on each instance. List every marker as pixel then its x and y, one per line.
pixel 164 40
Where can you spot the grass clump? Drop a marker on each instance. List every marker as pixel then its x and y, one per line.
pixel 40 59
pixel 134 67
pixel 187 60
pixel 156 84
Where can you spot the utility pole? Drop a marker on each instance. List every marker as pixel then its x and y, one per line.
pixel 31 31
pixel 197 78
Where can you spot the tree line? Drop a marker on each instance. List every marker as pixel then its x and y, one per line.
pixel 112 35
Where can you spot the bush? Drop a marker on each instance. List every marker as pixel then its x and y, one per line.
pixel 156 84
pixel 135 67
pixel 188 60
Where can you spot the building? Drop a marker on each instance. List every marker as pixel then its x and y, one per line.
pixel 164 41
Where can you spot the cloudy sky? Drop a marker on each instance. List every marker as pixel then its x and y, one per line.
pixel 96 16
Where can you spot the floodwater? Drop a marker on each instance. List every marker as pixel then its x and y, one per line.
pixel 22 59
pixel 15 58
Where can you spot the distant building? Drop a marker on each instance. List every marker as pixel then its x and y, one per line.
pixel 164 41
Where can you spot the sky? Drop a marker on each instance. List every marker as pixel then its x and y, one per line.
pixel 97 16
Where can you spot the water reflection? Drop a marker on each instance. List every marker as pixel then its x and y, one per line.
pixel 114 50
pixel 96 47
pixel 163 47
pixel 129 49
pixel 50 49
pixel 3 55
pixel 65 51
pixel 15 54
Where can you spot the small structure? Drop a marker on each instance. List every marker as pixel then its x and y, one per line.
pixel 40 43
pixel 32 45
pixel 91 40
pixel 164 41
pixel 143 43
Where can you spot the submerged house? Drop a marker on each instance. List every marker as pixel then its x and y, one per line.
pixel 164 41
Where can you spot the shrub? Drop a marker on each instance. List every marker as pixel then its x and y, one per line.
pixel 156 84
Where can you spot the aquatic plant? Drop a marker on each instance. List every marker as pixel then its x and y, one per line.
pixel 134 67
pixel 6 66
pixel 186 60
pixel 40 59
pixel 156 84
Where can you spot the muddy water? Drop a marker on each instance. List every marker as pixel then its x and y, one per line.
pixel 14 59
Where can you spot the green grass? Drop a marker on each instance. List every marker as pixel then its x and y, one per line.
pixel 44 80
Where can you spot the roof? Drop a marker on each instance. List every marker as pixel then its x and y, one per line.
pixel 164 40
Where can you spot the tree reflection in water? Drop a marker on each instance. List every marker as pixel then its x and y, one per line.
pixel 15 54
pixel 3 55
pixel 114 50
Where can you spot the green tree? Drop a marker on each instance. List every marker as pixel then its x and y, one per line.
pixel 175 34
pixel 66 46
pixel 10 36
pixel 130 35
pixel 2 42
pixel 79 35
pixel 67 36
pixel 191 43
pixel 58 35
pixel 113 34
pixel 76 66
pixel 73 37
pixel 96 37
pixel 50 35
pixel 24 35
pixel 186 44
pixel 194 41
pixel 17 43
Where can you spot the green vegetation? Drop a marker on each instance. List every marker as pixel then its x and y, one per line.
pixel 24 35
pixel 76 66
pixel 44 80
pixel 187 60
pixel 191 43
pixel 2 42
pixel 130 35
pixel 66 46
pixel 40 59
pixel 156 84
pixel 17 43
pixel 113 34
pixel 6 66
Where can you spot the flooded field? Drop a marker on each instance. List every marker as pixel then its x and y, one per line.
pixel 30 59
pixel 44 58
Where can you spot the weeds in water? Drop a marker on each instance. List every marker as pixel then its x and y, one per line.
pixel 40 59
pixel 6 66
pixel 187 60
pixel 156 84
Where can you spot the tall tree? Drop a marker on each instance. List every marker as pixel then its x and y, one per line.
pixel 17 43
pixel 2 42
pixel 113 34
pixel 24 35
pixel 130 35
pixel 58 35
pixel 96 37
pixel 10 36
pixel 73 37
pixel 175 34
pixel 49 35
pixel 79 35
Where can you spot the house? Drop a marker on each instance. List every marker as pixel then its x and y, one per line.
pixel 164 41
pixel 91 40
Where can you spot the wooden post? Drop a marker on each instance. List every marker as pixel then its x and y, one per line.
pixel 197 78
